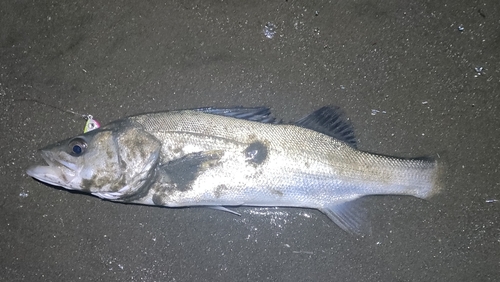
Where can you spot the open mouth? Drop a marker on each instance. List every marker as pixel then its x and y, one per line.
pixel 57 171
pixel 49 158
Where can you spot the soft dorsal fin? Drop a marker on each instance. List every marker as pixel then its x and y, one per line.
pixel 330 121
pixel 260 114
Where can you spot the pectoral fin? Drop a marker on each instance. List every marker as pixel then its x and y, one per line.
pixel 350 216
pixel 183 171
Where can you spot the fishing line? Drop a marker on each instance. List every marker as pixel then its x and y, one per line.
pixel 90 123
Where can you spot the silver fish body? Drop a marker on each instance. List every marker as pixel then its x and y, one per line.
pixel 233 157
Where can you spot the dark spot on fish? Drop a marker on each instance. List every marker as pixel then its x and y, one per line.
pixel 219 190
pixel 98 181
pixel 177 150
pixel 138 144
pixel 158 200
pixel 162 190
pixel 123 164
pixel 256 153
pixel 86 185
pixel 307 165
pixel 110 154
pixel 277 192
pixel 142 191
pixel 252 137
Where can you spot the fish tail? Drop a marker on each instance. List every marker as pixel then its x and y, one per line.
pixel 421 177
pixel 425 177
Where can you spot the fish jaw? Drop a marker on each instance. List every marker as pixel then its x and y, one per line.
pixel 59 171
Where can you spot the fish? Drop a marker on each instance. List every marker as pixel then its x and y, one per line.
pixel 230 157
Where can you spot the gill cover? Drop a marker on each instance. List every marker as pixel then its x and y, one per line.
pixel 136 154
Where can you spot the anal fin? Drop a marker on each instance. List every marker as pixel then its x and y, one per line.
pixel 350 216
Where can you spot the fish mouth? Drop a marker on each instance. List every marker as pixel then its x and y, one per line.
pixel 57 172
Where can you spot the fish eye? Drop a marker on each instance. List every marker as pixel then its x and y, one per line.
pixel 77 146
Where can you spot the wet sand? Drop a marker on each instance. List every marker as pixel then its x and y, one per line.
pixel 415 78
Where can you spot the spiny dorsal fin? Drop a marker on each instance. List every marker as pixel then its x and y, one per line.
pixel 330 121
pixel 260 114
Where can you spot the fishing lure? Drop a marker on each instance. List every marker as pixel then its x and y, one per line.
pixel 91 123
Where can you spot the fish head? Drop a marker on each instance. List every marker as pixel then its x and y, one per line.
pixel 110 162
